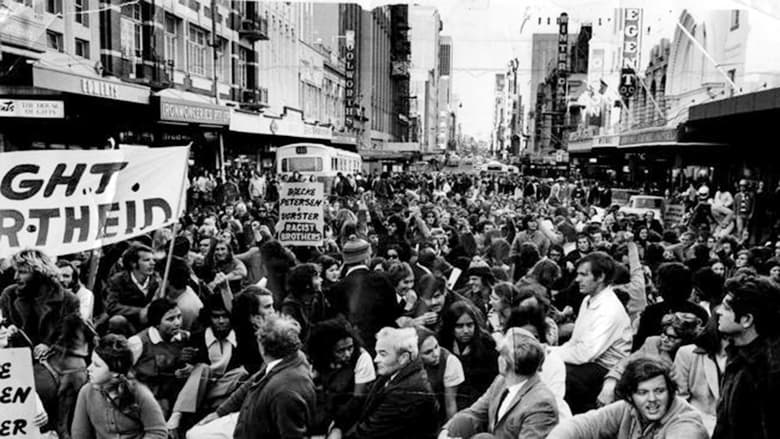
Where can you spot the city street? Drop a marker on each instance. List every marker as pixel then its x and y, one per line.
pixel 239 219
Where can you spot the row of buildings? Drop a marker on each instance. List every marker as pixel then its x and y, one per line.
pixel 235 78
pixel 656 97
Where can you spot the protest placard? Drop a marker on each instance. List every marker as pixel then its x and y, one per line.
pixel 17 394
pixel 70 201
pixel 301 214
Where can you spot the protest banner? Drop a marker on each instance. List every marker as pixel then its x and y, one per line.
pixel 17 394
pixel 673 215
pixel 301 214
pixel 65 202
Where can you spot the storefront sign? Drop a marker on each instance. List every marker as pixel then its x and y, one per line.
pixel 608 141
pixel 193 112
pixel 52 79
pixel 563 43
pixel 631 46
pixel 344 139
pixel 301 214
pixel 316 131
pixel 32 109
pixel 648 137
pixel 19 407
pixel 350 86
pixel 69 201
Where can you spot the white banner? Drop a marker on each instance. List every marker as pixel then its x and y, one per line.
pixel 301 214
pixel 16 377
pixel 70 201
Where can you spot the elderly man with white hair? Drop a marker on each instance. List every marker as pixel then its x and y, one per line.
pixel 400 404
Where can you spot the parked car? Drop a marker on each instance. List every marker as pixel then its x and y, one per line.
pixel 641 204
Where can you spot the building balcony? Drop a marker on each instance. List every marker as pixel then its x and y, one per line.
pixel 253 28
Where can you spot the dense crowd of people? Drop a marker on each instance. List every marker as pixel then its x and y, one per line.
pixel 449 306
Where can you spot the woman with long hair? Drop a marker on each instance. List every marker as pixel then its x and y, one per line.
pixel 698 370
pixel 444 371
pixel 225 270
pixel 463 333
pixel 342 368
pixel 112 404
pixel 305 301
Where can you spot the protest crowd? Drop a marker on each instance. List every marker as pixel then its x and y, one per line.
pixel 441 305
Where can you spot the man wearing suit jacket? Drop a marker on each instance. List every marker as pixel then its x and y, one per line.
pixel 400 403
pixel 517 404
pixel 365 298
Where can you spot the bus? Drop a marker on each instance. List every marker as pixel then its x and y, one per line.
pixel 320 161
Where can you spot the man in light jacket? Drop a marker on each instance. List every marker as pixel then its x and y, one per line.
pixel 649 408
pixel 517 404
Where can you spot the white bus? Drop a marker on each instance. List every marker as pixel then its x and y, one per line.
pixel 312 159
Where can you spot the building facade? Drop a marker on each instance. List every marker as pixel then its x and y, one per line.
pixel 426 26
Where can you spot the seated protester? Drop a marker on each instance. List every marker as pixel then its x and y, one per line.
pixel 677 330
pixel 305 301
pixel 278 401
pixel 70 280
pixel 464 334
pixel 401 277
pixel 601 335
pixel 225 272
pixel 749 383
pixel 399 403
pixel 444 371
pixel 179 292
pixel 157 360
pixel 129 292
pixel 250 309
pixel 698 368
pixel 216 370
pixel 648 407
pixel 434 297
pixel 675 284
pixel 630 277
pixel 112 404
pixel 342 371
pixel 36 305
pixel 518 404
pixel 62 371
pixel 530 319
pixel 480 284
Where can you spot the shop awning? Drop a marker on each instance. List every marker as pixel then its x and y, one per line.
pixel 670 145
pixel 743 104
pixel 55 71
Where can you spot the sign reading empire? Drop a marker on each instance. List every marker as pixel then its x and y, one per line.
pixel 193 113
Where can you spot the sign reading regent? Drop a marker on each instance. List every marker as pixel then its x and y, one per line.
pixel 631 44
pixel 70 201
pixel 18 397
pixel 301 214
pixel 192 112
pixel 32 109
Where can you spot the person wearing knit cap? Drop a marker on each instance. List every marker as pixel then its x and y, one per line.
pixel 365 298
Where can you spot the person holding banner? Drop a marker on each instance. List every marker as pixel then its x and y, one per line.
pixel 112 404
pixel 37 304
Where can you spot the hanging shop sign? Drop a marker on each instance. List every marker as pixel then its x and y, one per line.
pixel 193 112
pixel 632 20
pixel 52 79
pixel 350 86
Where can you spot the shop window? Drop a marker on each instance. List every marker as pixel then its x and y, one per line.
pixel 734 19
pixel 81 17
pixel 197 48
pixel 54 6
pixel 54 40
pixel 82 48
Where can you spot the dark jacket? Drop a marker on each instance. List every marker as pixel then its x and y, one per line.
pixel 123 297
pixel 40 317
pixel 278 404
pixel 401 407
pixel 748 407
pixel 367 299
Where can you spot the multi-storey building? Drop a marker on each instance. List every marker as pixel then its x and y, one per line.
pixel 426 26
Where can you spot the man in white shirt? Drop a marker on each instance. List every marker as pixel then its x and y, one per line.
pixel 602 333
